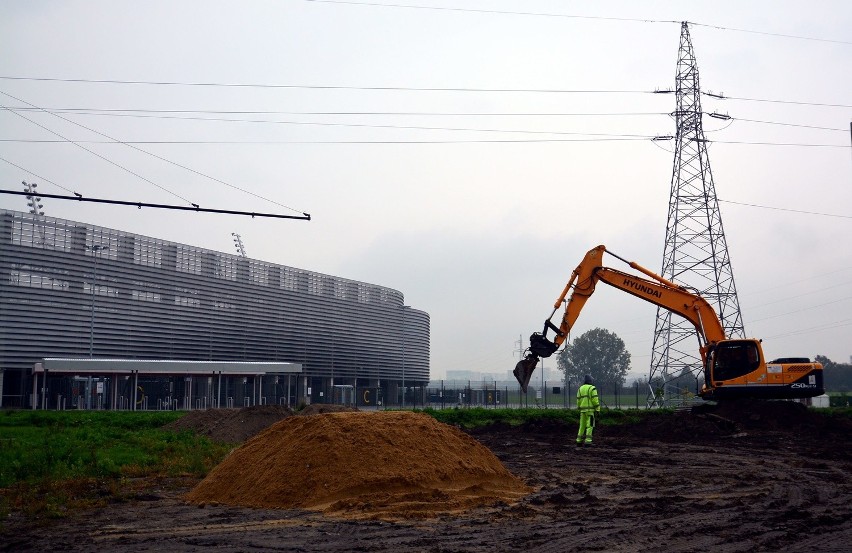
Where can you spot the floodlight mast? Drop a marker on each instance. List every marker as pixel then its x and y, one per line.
pixel 238 243
pixel 33 200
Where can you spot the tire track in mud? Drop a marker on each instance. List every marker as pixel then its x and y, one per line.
pixel 759 491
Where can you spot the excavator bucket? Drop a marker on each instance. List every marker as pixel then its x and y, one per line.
pixel 524 370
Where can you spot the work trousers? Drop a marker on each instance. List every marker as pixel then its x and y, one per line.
pixel 587 425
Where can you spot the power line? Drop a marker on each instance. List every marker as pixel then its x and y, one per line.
pixel 614 138
pixel 789 124
pixel 405 127
pixel 819 328
pixel 772 101
pixel 570 16
pixel 127 112
pixel 800 144
pixel 785 285
pixel 330 87
pixel 780 35
pixel 410 89
pixel 155 114
pixel 786 299
pixel 274 142
pixel 787 209
pixel 501 12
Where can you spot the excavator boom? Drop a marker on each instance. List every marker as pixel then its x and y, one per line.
pixel 741 382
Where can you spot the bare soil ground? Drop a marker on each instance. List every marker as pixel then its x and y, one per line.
pixel 771 478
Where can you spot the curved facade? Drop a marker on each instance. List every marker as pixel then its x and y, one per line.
pixel 70 289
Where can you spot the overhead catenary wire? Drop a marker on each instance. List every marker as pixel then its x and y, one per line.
pixel 199 173
pixel 36 175
pixel 104 158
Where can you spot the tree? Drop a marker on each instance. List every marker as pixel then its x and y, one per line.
pixel 598 352
pixel 838 376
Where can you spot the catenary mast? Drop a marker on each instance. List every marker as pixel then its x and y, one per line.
pixel 695 253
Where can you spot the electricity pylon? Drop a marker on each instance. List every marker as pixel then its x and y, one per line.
pixel 695 252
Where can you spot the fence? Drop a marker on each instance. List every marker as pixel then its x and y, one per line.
pixel 553 395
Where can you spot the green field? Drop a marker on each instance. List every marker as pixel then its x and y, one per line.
pixel 52 460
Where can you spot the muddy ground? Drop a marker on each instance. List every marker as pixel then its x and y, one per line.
pixel 766 480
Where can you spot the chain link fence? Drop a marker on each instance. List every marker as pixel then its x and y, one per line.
pixel 445 394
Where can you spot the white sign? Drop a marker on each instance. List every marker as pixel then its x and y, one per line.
pixel 99 387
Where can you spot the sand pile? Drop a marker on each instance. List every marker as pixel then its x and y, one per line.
pixel 387 465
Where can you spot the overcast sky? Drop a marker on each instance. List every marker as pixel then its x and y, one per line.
pixel 476 202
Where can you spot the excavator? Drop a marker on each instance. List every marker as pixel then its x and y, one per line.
pixel 733 368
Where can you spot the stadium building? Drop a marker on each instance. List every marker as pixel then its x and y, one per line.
pixel 92 317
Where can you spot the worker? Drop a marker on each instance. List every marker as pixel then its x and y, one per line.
pixel 589 405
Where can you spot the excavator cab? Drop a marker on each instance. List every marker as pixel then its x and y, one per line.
pixel 733 359
pixel 736 369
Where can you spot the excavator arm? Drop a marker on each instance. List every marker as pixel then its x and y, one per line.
pixel 655 289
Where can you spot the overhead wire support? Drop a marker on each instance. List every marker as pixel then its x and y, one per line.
pixel 140 205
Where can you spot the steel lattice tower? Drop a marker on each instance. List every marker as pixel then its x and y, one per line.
pixel 695 252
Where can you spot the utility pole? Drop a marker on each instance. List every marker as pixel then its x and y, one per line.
pixel 695 253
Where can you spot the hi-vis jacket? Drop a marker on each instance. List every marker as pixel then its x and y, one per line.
pixel 587 398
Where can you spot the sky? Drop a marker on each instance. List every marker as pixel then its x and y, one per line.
pixel 465 153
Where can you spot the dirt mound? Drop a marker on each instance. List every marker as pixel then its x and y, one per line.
pixel 230 425
pixel 753 418
pixel 384 465
pixel 320 408
pixel 238 425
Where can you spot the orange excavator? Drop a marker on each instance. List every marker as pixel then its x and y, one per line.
pixel 733 368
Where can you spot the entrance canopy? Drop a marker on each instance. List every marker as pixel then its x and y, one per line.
pixel 159 366
pixel 114 369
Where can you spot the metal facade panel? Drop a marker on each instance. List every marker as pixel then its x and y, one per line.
pixel 68 289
